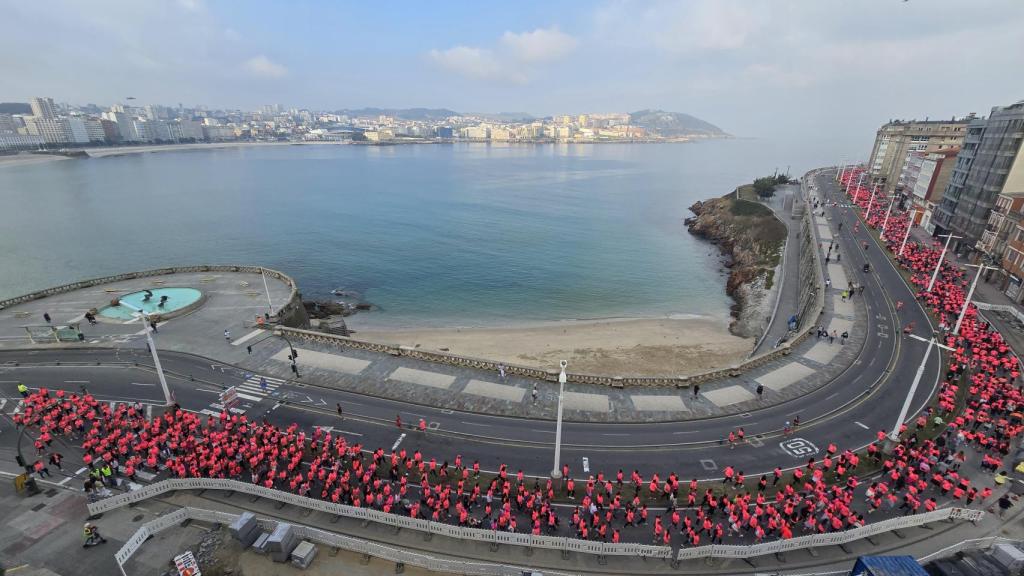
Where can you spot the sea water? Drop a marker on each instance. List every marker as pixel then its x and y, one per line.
pixel 432 235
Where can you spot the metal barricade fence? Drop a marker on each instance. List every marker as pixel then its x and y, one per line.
pixel 518 539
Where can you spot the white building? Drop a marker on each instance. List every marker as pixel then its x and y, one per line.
pixel 51 130
pixel 78 130
pixel 19 142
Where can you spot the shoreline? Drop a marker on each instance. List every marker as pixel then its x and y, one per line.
pixel 26 158
pixel 621 346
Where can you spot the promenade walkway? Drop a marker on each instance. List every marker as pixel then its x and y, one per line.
pixel 234 299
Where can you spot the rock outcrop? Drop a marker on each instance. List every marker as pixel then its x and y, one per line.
pixel 752 240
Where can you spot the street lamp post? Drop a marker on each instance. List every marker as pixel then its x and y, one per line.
pixel 886 221
pixel 270 304
pixel 935 274
pixel 871 202
pixel 894 435
pixel 910 223
pixel 970 294
pixel 293 354
pixel 156 359
pixel 840 173
pixel 556 469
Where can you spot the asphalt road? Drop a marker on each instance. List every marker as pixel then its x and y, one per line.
pixel 849 411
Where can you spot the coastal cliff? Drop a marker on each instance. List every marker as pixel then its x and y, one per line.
pixel 752 240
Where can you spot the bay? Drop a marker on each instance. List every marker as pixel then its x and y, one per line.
pixel 434 235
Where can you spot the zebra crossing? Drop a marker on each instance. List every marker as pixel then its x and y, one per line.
pixel 252 390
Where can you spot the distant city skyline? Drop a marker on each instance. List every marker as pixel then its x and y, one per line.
pixel 754 68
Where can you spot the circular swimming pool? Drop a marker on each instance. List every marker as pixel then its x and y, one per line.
pixel 155 301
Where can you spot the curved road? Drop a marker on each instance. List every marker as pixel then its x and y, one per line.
pixel 848 411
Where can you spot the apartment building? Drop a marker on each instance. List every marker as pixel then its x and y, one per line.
pixel 924 180
pixel 898 139
pixel 989 164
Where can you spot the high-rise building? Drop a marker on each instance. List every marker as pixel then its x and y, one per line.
pixel 77 129
pixel 896 140
pixel 43 108
pixel 51 130
pixel 1002 220
pixel 991 153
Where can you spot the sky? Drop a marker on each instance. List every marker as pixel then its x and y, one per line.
pixel 758 68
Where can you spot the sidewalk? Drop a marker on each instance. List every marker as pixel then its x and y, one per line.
pixel 788 207
pixel 988 292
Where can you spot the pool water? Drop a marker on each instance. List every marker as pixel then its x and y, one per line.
pixel 177 298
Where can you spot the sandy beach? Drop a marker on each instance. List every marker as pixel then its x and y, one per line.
pixel 25 159
pixel 655 347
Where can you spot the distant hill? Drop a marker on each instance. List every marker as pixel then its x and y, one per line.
pixel 403 113
pixel 15 108
pixel 505 116
pixel 673 123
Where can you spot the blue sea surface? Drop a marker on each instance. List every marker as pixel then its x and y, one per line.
pixel 434 235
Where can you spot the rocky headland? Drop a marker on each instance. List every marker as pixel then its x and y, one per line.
pixel 752 240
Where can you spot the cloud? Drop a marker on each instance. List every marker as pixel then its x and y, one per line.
pixel 264 67
pixel 468 61
pixel 515 59
pixel 540 45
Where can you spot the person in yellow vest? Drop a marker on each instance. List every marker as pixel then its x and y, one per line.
pixel 92 535
pixel 108 474
pixel 1000 478
pixel 22 389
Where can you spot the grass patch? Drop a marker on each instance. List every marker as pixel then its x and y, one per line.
pixel 749 208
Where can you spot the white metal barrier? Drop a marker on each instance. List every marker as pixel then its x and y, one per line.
pixel 324 537
pixel 545 542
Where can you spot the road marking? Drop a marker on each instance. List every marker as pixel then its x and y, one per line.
pixel 862 426
pixel 3 402
pixel 80 470
pixel 397 442
pixel 686 432
pixel 248 396
pixel 247 337
pixel 61 483
pixel 76 381
pixel 611 434
pixel 141 384
pixel 475 424
pixel 708 465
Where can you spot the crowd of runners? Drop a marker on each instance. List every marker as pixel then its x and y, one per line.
pixel 824 495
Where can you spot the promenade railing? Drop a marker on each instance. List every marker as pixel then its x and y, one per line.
pixel 543 542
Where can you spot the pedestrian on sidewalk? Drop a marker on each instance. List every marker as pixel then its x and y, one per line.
pixel 249 349
pixel 760 391
pixel 534 393
pixel 832 337
pixel 227 335
pixel 501 371
pixel 46 316
pixel 843 337
pixel 696 390
pixel 152 324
